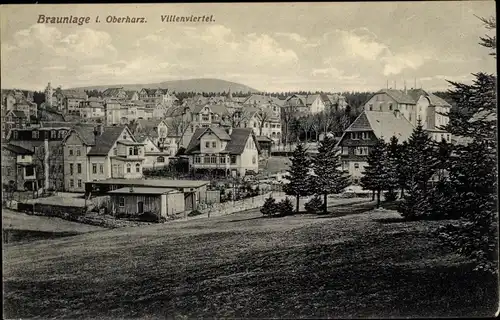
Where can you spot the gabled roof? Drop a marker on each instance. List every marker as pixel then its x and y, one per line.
pixel 17 113
pixel 17 149
pixel 110 92
pixel 130 93
pixel 236 144
pixel 75 94
pixel 85 133
pixel 437 101
pixel 106 140
pixel 239 138
pixel 398 95
pixel 383 124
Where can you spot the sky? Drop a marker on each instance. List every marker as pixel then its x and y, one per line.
pixel 358 46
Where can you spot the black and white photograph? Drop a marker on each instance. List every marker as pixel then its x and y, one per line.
pixel 273 160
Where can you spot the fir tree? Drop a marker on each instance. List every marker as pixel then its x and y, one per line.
pixel 375 174
pixel 299 181
pixel 270 207
pixel 393 160
pixel 329 178
pixel 473 170
pixel 419 164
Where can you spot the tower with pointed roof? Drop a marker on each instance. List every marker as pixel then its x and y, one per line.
pixel 49 91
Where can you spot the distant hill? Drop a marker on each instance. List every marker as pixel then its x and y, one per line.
pixel 196 85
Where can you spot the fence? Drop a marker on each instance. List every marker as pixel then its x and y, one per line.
pixel 220 209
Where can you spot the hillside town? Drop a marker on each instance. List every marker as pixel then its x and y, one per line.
pixel 144 176
pixel 121 133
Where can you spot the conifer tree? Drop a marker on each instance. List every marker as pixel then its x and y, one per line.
pixel 329 177
pixel 473 170
pixel 419 165
pixel 299 180
pixel 375 174
pixel 393 160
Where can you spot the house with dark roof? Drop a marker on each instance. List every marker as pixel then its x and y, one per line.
pixel 157 96
pixel 18 169
pixel 115 93
pixel 94 153
pixel 13 119
pixel 232 152
pixel 46 142
pixel 414 105
pixel 360 137
pixel 154 157
pixel 310 103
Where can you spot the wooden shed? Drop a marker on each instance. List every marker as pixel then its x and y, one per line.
pixel 138 200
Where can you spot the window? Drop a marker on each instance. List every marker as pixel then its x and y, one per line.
pixel 121 202
pixel 71 183
pixel 390 106
pixel 206 159
pixel 214 144
pixel 233 159
pixel 115 151
pixel 207 144
pixel 205 118
pixel 222 159
pixel 136 151
pixel 277 126
pixel 78 152
pixel 345 150
pixel 70 152
pixel 213 159
pixel 370 107
pixel 137 167
pixel 101 168
pixel 255 125
pixel 355 135
pixel 79 183
pixel 35 134
pixel 94 168
pixel 197 159
pixel 160 159
pixel 53 134
pixel 254 160
pixel 79 168
pixel 356 165
pixel 70 169
pixel 409 117
pixel 130 151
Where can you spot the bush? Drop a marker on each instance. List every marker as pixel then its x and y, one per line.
pixel 390 196
pixel 270 207
pixel 148 217
pixel 415 205
pixel 285 207
pixel 194 213
pixel 315 205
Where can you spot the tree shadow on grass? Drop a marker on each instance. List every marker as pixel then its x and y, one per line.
pixel 391 220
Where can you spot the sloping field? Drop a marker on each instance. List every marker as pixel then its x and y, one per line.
pixel 243 265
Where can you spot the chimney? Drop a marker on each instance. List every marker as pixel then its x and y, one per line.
pixel 405 87
pixel 131 189
pixel 46 163
pixel 98 130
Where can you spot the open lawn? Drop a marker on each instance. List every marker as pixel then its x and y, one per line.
pixel 366 264
pixel 18 226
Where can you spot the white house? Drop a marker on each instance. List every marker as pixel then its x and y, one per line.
pixel 93 154
pixel 235 152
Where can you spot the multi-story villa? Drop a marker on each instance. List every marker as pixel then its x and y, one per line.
pixel 360 137
pixel 18 169
pixel 100 153
pixel 230 153
pixel 414 105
